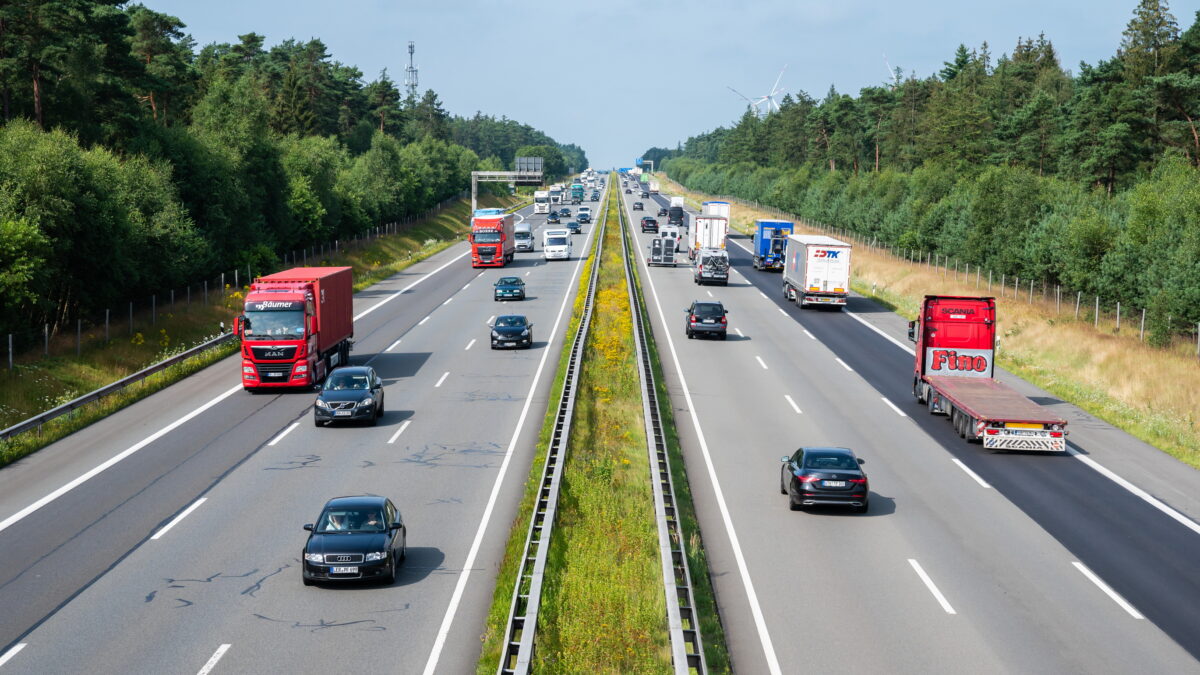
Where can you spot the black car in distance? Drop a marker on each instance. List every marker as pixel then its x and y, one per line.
pixel 512 330
pixel 706 318
pixel 355 538
pixel 350 394
pixel 552 217
pixel 509 288
pixel 564 213
pixel 649 224
pixel 575 227
pixel 662 211
pixel 814 476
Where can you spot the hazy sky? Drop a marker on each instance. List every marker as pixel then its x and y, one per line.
pixel 619 76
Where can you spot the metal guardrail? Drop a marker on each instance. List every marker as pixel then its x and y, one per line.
pixel 527 592
pixel 40 419
pixel 687 651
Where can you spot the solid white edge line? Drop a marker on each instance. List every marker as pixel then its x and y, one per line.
pixel 447 300
pixel 1146 496
pixel 460 587
pixel 743 571
pixel 1116 597
pixel 792 403
pixel 764 295
pixel 810 335
pixel 844 364
pixel 422 321
pixel 283 433
pixel 403 426
pixel 469 345
pixel 781 311
pixel 761 362
pixel 16 517
pixel 12 652
pixel 932 588
pixel 212 662
pixel 441 379
pixel 394 345
pixel 887 337
pixel 167 528
pixel 970 473
pixel 893 407
pixel 409 287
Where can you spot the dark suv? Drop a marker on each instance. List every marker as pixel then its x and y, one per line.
pixel 649 224
pixel 705 318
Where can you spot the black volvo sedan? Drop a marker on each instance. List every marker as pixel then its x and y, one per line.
pixel 352 393
pixel 355 538
pixel 814 476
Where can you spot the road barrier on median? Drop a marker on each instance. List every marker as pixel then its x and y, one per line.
pixel 687 653
pixel 527 593
pixel 38 420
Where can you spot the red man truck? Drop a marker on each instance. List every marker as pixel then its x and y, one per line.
pixel 296 326
pixel 956 346
pixel 493 238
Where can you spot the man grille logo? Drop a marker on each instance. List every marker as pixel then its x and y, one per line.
pixel 278 354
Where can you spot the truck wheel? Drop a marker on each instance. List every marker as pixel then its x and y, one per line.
pixel 918 387
pixel 929 397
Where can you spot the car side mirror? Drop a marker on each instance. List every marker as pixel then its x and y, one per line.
pixel 861 460
pixel 785 459
pixel 395 526
pixel 308 527
pixel 912 331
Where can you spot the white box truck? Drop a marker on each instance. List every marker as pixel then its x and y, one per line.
pixel 716 209
pixel 706 232
pixel 541 201
pixel 653 187
pixel 556 244
pixel 816 270
pixel 523 234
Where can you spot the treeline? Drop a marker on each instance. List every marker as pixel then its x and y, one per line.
pixel 1087 180
pixel 132 163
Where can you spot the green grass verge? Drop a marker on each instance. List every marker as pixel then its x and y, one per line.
pixel 712 632
pixel 38 383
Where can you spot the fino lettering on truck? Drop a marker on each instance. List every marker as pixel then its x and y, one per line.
pixel 953 375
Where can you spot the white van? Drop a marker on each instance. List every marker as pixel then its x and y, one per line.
pixel 556 244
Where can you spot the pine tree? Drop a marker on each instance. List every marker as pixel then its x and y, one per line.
pixel 1149 41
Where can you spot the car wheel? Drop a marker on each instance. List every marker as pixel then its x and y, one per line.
pixel 305 580
pixel 724 335
pixel 374 419
pixel 782 486
pixel 793 506
pixel 317 423
pixel 690 335
pixel 390 577
pixel 863 508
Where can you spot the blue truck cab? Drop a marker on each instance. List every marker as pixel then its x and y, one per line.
pixel 770 239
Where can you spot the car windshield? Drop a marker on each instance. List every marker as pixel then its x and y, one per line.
pixel 831 461
pixel 510 322
pixel 345 381
pixel 351 520
pixel 556 241
pixel 286 325
pixel 523 235
pixel 487 237
pixel 708 310
pixel 508 281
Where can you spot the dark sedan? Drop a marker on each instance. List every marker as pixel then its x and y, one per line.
pixel 355 538
pixel 637 206
pixel 512 330
pixel 814 476
pixel 350 394
pixel 575 227
pixel 706 318
pixel 662 211
pixel 553 217
pixel 564 213
pixel 509 288
pixel 649 224
pixel 628 191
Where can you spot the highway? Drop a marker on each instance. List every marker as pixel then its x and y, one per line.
pixel 182 556
pixel 966 561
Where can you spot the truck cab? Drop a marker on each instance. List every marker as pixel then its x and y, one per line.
pixel 770 240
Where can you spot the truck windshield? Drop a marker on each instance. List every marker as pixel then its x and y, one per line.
pixel 523 235
pixel 556 241
pixel 286 325
pixel 487 237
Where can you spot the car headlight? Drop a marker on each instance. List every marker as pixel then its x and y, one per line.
pixel 525 333
pixel 315 557
pixel 379 555
pixel 322 404
pixel 366 402
pixel 495 334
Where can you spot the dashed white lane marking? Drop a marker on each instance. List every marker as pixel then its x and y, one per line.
pixel 709 293
pixel 394 345
pixel 491 319
pixel 467 286
pixel 844 364
pixel 399 431
pixel 792 403
pixel 167 528
pixel 970 473
pixel 422 321
pixel 893 406
pixel 447 301
pixel 212 662
pixel 1116 597
pixel 761 362
pixel 764 295
pixel 739 332
pixel 527 274
pixel 442 379
pixel 814 337
pixel 283 433
pixel 932 588
pixel 469 345
pixel 12 652
pixel 781 311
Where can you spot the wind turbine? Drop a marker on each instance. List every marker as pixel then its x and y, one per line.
pixel 766 104
pixel 749 103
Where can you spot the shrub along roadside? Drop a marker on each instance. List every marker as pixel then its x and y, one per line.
pixel 38 384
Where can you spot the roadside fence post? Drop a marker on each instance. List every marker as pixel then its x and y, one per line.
pixel 131 319
pixel 206 291
pixel 1031 291
pixel 235 281
pixel 189 299
pixel 1002 285
pixel 1118 316
pixel 1198 340
pixel 45 339
pixel 10 352
pixel 989 281
pixel 172 299
pixel 1057 299
pixel 78 337
pixel 1016 287
pixel 1078 297
pixel 249 276
pixel 1142 330
pixel 106 326
pixel 1097 321
pixel 153 310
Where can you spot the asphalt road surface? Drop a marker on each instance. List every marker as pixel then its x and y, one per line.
pixel 967 561
pixel 104 575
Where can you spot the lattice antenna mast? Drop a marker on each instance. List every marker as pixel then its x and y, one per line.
pixel 410 72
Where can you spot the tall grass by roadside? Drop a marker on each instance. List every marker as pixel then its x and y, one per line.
pixel 1153 394
pixel 39 383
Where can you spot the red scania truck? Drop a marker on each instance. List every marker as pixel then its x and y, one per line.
pixel 296 326
pixel 493 238
pixel 956 345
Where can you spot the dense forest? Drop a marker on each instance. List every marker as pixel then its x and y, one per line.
pixel 133 162
pixel 1087 179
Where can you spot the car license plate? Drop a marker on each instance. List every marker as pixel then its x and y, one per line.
pixel 823 299
pixel 344 570
pixel 834 483
pixel 342 413
pixel 710 321
pixel 274 374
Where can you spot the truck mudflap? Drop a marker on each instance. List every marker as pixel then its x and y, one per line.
pixel 1009 441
